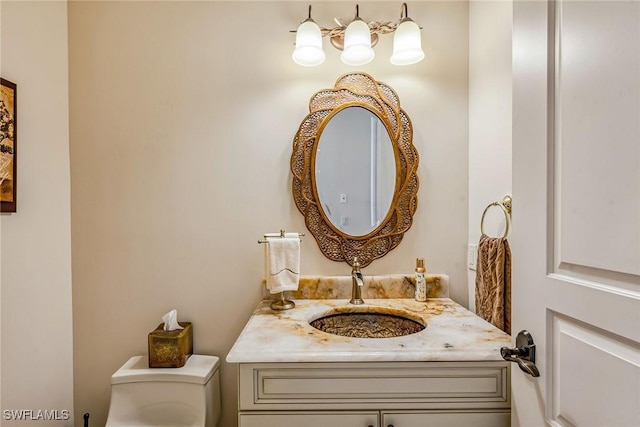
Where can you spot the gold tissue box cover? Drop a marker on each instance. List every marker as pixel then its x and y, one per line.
pixel 170 349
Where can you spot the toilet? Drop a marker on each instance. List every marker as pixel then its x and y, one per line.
pixel 178 397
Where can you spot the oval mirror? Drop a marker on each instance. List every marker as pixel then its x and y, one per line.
pixel 355 171
pixel 329 154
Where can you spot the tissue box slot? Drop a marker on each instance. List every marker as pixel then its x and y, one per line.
pixel 170 349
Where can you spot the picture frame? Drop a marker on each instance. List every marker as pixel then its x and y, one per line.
pixel 8 146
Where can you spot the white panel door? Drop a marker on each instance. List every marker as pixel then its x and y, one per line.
pixel 576 218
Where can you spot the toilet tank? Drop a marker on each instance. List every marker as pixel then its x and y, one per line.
pixel 177 397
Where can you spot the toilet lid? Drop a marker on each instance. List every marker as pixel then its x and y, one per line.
pixel 197 370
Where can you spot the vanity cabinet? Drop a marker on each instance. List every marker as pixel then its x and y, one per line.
pixel 379 394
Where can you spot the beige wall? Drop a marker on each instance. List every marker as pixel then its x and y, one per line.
pixel 37 364
pixel 182 116
pixel 490 25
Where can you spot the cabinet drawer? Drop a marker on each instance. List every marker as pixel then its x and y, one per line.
pixel 422 419
pixel 401 385
pixel 292 419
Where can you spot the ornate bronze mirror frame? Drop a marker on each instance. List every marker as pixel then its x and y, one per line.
pixel 356 90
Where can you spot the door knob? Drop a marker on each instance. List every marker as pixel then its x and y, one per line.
pixel 524 354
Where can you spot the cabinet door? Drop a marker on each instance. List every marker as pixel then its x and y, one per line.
pixel 450 419
pixel 309 419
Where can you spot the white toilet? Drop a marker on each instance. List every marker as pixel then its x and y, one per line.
pixel 178 397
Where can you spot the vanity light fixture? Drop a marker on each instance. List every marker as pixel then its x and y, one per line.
pixel 357 39
pixel 407 44
pixel 308 52
pixel 357 42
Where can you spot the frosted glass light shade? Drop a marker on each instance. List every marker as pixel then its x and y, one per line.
pixel 407 44
pixel 308 51
pixel 357 44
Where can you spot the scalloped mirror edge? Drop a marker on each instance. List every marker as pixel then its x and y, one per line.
pixel 356 89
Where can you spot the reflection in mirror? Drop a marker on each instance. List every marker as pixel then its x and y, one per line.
pixel 355 171
pixel 331 151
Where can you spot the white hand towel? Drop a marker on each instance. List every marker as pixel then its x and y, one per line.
pixel 282 263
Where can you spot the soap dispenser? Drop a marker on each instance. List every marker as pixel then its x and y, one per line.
pixel 421 283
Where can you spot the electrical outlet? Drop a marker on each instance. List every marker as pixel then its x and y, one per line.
pixel 472 256
pixel 344 220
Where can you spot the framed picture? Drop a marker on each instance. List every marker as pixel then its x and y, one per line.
pixel 8 145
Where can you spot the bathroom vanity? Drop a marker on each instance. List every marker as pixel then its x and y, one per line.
pixel 374 394
pixel 449 374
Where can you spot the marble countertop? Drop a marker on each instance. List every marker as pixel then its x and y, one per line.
pixel 453 333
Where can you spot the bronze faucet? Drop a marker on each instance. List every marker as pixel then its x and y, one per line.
pixel 357 283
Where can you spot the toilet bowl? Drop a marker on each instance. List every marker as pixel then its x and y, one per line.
pixel 178 397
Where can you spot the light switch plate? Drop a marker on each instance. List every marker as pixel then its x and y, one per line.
pixel 472 256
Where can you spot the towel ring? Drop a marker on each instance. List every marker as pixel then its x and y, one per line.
pixel 506 216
